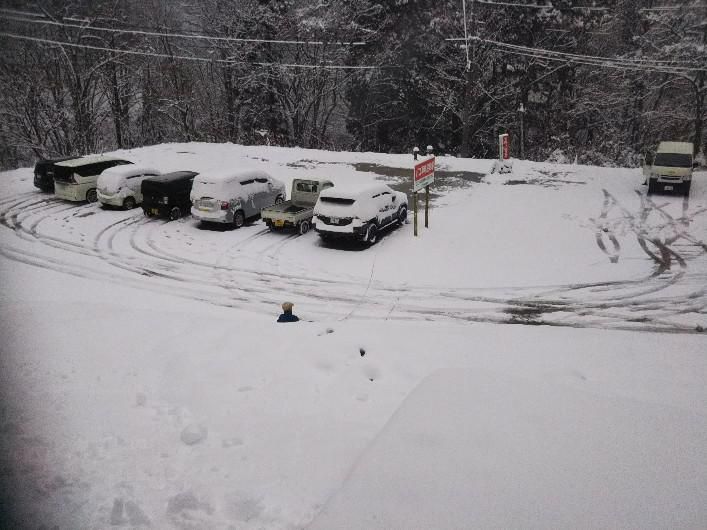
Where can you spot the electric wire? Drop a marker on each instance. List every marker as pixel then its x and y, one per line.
pixel 614 62
pixel 587 8
pixel 227 62
pixel 89 26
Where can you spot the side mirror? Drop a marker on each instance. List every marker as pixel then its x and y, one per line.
pixel 394 198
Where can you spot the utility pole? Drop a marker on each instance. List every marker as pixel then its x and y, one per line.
pixel 521 109
pixel 415 152
pixel 430 152
pixel 466 113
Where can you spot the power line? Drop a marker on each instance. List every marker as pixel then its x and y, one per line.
pixel 226 62
pixel 88 25
pixel 539 6
pixel 640 64
pixel 624 62
pixel 585 8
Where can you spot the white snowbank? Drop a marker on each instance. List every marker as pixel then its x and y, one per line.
pixel 124 339
pixel 478 449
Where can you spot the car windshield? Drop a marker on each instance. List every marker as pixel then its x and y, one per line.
pixel 306 187
pixel 672 160
pixel 337 200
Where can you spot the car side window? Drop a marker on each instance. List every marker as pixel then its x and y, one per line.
pixel 90 169
pixel 262 180
pixel 246 182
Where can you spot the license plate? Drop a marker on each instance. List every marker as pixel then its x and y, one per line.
pixel 334 220
pixel 668 188
pixel 279 222
pixel 204 208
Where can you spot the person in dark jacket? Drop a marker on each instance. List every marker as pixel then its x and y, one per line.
pixel 287 315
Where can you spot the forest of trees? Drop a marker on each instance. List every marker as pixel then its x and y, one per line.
pixel 599 81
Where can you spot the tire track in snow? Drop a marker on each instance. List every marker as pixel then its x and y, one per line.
pixel 418 303
pixel 603 228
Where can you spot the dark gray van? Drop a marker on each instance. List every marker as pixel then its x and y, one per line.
pixel 44 172
pixel 167 195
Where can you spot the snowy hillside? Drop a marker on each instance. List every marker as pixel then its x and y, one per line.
pixel 553 317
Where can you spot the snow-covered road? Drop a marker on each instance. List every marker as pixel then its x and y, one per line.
pixel 632 262
pixel 144 382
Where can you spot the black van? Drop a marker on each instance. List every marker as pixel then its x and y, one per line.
pixel 44 172
pixel 167 195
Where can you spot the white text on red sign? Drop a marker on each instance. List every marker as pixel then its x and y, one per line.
pixel 424 170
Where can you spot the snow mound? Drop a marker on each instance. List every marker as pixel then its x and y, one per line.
pixel 193 434
pixel 481 450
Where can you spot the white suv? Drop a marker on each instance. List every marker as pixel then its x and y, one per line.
pixel 360 214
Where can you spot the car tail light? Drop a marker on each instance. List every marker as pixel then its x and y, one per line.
pixel 224 205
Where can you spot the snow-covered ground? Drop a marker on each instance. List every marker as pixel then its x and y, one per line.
pixel 144 380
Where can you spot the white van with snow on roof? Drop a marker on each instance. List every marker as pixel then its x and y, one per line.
pixel 121 185
pixel 234 196
pixel 672 168
pixel 359 214
pixel 76 179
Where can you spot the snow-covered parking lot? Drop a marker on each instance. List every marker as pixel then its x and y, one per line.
pixel 534 359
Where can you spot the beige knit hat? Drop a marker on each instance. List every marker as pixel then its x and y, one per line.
pixel 287 306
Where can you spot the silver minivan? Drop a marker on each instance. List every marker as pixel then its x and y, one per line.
pixel 234 196
pixel 76 179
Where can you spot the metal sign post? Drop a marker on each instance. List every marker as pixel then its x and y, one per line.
pixel 503 147
pixel 427 206
pixel 423 176
pixel 414 216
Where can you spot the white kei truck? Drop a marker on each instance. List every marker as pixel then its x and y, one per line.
pixel 298 211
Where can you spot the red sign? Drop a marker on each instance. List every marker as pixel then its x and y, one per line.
pixel 424 173
pixel 506 149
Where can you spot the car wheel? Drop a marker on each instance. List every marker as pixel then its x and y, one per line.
pixel 304 227
pixel 371 234
pixel 129 203
pixel 238 219
pixel 402 215
pixel 279 199
pixel 175 213
pixel 91 195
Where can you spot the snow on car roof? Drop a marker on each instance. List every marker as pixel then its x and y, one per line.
pixel 684 148
pixel 355 192
pixel 85 160
pixel 168 177
pixel 229 176
pixel 129 171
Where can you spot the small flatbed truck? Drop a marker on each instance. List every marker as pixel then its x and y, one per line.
pixel 298 211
